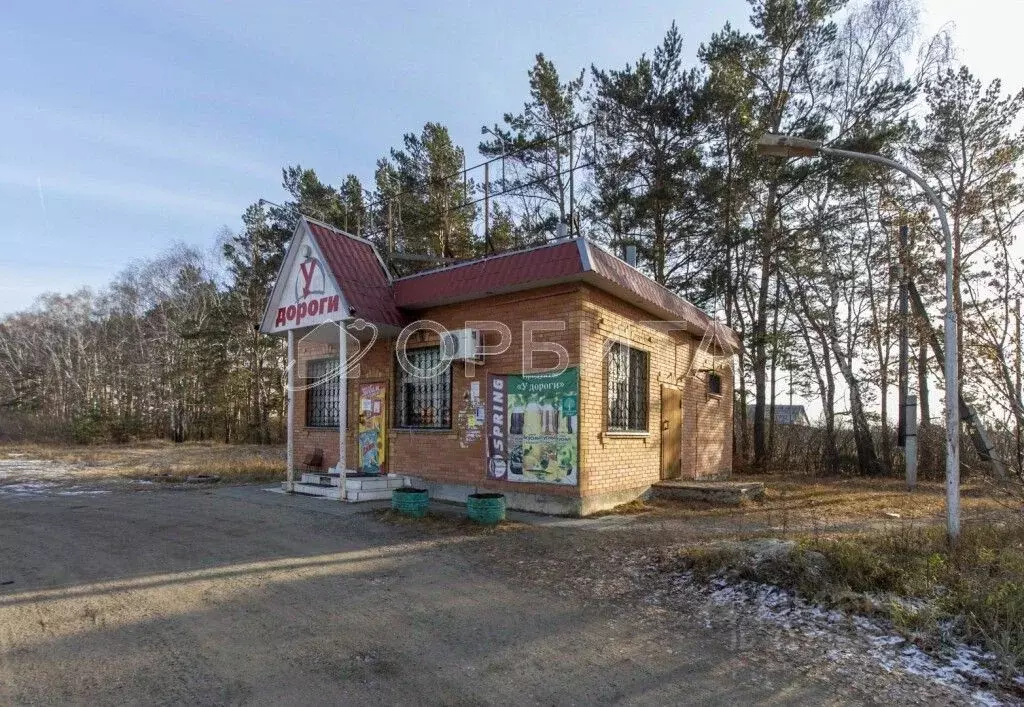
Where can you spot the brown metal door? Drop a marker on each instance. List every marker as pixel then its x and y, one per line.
pixel 671 432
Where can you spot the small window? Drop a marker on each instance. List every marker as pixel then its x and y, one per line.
pixel 424 402
pixel 714 384
pixel 627 389
pixel 322 393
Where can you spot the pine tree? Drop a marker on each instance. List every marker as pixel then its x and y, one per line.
pixel 429 195
pixel 649 163
pixel 542 146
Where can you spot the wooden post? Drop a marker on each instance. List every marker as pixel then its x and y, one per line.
pixel 291 411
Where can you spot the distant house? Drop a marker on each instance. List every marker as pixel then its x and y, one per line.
pixel 784 414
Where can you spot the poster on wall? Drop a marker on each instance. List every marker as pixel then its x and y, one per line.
pixel 533 427
pixel 371 427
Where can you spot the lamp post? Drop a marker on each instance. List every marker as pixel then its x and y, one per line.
pixel 788 146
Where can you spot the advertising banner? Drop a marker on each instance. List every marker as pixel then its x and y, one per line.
pixel 372 407
pixel 533 427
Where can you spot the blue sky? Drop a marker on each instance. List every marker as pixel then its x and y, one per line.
pixel 129 125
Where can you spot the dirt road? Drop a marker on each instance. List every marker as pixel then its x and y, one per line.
pixel 235 595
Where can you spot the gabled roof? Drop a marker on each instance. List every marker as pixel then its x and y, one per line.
pixel 368 291
pixel 622 279
pixel 360 273
pixel 575 260
pixel 346 274
pixel 505 272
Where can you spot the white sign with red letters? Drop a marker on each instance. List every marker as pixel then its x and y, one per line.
pixel 305 295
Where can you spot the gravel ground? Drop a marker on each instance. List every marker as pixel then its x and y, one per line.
pixel 132 593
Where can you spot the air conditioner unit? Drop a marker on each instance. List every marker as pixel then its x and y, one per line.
pixel 462 345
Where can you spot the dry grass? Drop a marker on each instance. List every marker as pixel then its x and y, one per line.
pixel 973 592
pixel 164 461
pixel 803 503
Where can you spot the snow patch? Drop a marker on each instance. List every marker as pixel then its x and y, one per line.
pixel 960 667
pixel 24 477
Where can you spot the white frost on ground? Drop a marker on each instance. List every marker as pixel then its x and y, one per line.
pixel 23 477
pixel 961 667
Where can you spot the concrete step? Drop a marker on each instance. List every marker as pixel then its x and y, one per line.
pixel 316 478
pixel 727 493
pixel 359 483
pixel 324 490
pixel 374 483
pixel 359 489
pixel 357 496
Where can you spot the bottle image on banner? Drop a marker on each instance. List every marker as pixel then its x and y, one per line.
pixel 534 420
pixel 539 440
pixel 517 421
pixel 545 419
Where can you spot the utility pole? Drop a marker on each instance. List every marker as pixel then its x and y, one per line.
pixel 907 428
pixel 910 441
pixel 904 307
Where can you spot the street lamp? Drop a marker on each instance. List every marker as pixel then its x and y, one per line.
pixel 789 146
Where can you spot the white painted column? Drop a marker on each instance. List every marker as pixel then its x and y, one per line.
pixel 343 402
pixel 291 411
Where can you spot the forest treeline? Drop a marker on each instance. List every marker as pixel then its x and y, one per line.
pixel 801 257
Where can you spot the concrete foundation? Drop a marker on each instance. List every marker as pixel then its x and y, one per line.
pixel 535 502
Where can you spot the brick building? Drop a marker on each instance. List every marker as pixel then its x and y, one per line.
pixel 559 375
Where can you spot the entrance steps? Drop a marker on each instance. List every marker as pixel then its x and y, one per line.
pixel 357 488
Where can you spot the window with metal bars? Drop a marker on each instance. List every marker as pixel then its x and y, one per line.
pixel 423 402
pixel 627 389
pixel 323 393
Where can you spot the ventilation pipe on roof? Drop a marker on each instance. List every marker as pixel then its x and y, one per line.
pixel 561 231
pixel 631 255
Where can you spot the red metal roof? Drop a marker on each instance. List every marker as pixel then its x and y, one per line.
pixel 364 282
pixel 372 295
pixel 622 274
pixel 499 273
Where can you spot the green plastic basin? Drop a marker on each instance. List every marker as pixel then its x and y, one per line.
pixel 486 508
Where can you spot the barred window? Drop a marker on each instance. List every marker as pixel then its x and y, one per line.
pixel 323 393
pixel 423 402
pixel 627 389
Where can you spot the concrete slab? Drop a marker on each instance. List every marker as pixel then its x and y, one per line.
pixel 729 493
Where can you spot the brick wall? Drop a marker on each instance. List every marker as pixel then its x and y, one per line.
pixel 614 461
pixel 608 463
pixel 447 456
